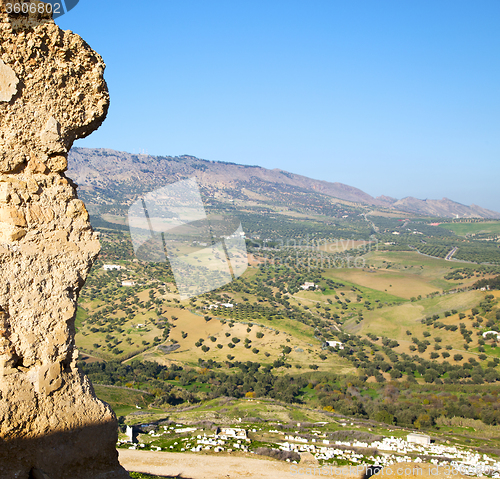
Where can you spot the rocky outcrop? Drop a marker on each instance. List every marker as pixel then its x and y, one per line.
pixel 52 91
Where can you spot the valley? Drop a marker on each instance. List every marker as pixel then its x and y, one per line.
pixel 341 315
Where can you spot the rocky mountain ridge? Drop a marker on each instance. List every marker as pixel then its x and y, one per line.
pixel 101 168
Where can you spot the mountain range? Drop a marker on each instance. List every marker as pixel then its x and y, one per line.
pixel 97 170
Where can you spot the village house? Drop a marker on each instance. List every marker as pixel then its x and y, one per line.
pixel 492 334
pixel 233 433
pixel 418 438
pixel 111 267
pixel 334 344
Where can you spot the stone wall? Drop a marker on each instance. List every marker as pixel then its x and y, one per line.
pixel 52 92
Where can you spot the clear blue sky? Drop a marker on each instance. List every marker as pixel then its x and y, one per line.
pixel 396 97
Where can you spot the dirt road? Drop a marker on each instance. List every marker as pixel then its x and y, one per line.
pixel 199 466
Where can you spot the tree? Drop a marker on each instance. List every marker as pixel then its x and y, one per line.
pixel 458 357
pixel 395 373
pixel 383 416
pixel 423 421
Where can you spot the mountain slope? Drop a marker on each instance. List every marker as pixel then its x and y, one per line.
pixel 96 170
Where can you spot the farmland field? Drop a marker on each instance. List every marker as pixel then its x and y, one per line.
pixel 463 229
pixel 291 341
pixel 402 274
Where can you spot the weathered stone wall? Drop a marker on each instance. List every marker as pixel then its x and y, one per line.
pixel 52 91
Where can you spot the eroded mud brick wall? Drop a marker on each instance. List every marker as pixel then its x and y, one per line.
pixel 52 91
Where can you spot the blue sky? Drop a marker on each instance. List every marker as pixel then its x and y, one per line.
pixel 396 97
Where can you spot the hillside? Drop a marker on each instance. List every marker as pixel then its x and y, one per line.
pixel 98 171
pixel 390 337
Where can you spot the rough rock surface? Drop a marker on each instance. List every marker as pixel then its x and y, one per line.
pixel 52 91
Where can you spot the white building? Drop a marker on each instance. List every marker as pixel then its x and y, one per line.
pixel 233 432
pixel 419 438
pixel 308 285
pixel 495 334
pixel 131 434
pixel 334 344
pixel 128 283
pixel 216 305
pixel 111 267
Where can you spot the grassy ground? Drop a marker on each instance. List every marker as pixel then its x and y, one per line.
pixel 305 349
pixel 123 400
pixel 393 322
pixel 403 274
pixel 380 293
pixel 463 229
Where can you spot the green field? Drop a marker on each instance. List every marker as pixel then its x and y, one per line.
pixel 463 229
pixel 401 274
pixel 123 400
